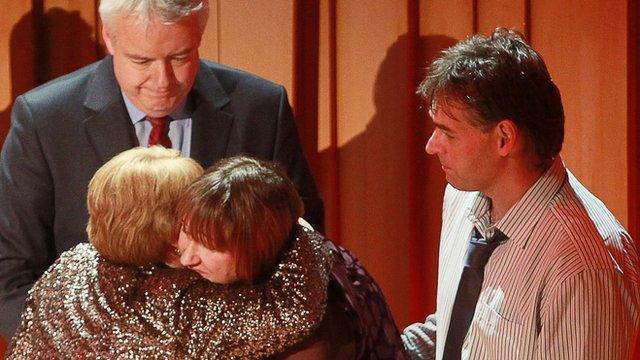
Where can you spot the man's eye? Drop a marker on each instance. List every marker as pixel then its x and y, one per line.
pixel 446 133
pixel 140 61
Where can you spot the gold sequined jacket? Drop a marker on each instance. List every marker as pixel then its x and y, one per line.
pixel 86 307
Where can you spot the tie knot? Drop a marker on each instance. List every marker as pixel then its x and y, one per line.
pixel 158 121
pixel 497 236
pixel 480 249
pixel 159 132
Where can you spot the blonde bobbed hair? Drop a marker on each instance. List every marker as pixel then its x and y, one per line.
pixel 131 201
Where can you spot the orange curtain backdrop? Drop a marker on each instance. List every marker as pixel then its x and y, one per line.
pixel 16 55
pixel 351 68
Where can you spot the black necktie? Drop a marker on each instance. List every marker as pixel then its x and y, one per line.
pixel 478 253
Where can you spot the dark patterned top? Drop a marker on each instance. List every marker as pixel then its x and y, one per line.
pixel 355 291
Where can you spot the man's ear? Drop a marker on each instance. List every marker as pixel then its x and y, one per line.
pixel 508 135
pixel 107 39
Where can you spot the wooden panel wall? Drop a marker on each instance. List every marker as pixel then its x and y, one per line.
pixel 633 125
pixel 351 68
pixel 16 54
pixel 587 58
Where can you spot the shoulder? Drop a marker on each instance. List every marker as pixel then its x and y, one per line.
pixel 81 256
pixel 233 80
pixel 592 235
pixel 70 272
pixel 61 91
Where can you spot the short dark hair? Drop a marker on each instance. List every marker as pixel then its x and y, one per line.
pixel 245 206
pixel 499 77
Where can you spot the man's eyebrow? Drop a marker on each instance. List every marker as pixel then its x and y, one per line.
pixel 183 52
pixel 136 56
pixel 442 127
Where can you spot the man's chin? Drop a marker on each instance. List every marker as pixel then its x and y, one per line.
pixel 157 111
pixel 160 107
pixel 458 186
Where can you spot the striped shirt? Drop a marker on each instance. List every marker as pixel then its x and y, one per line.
pixel 563 286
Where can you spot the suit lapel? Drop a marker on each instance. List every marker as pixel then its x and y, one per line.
pixel 211 127
pixel 108 128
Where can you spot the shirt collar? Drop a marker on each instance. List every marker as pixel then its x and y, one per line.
pixel 520 219
pixel 136 115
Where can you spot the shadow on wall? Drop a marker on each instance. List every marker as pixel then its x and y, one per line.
pixel 384 193
pixel 44 46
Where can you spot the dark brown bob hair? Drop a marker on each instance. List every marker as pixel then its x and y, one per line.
pixel 245 206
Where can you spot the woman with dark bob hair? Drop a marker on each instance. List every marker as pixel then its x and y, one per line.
pixel 239 217
pixel 262 286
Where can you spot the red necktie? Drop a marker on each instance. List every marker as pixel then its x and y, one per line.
pixel 160 132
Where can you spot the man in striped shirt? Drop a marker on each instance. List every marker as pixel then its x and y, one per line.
pixel 563 284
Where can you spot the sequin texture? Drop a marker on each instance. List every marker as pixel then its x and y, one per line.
pixel 86 307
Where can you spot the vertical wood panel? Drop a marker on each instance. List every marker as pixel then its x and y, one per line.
pixel 450 18
pixel 420 284
pixel 16 57
pixel 372 114
pixel 258 36
pixel 501 13
pixel 587 59
pixel 67 36
pixel 305 75
pixel 633 128
pixel 209 43
pixel 327 172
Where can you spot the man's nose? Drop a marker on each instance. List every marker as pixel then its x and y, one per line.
pixel 164 74
pixel 432 144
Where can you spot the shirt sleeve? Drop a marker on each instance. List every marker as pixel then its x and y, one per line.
pixel 420 339
pixel 590 315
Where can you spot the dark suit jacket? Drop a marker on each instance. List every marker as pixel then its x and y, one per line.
pixel 63 131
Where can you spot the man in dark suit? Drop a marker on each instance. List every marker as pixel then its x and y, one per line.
pixel 152 88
